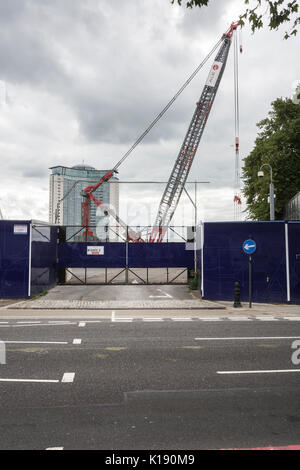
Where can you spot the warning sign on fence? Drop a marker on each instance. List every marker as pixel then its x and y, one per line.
pixel 95 250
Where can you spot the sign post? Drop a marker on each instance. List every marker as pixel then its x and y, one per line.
pixel 249 247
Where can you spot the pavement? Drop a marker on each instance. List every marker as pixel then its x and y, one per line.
pixel 166 301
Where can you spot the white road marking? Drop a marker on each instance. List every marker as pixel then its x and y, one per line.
pixel 278 371
pixel 181 319
pixel 81 324
pixel 32 321
pixel 292 318
pixel 238 338
pixel 36 342
pixel 165 296
pixel 29 380
pixel 77 341
pixel 54 448
pixel 152 319
pixel 94 321
pixel 238 318
pixel 33 324
pixel 120 320
pixel 266 318
pixel 68 377
pixel 211 319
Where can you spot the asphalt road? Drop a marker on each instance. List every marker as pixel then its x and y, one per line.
pixel 149 385
pixel 126 293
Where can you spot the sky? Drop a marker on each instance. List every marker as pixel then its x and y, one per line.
pixel 81 81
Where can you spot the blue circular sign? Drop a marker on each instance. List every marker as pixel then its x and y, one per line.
pixel 249 247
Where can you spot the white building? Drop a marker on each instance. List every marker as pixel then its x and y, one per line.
pixel 66 185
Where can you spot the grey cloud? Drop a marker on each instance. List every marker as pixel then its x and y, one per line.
pixel 109 68
pixel 34 172
pixel 11 10
pixel 106 110
pixel 198 22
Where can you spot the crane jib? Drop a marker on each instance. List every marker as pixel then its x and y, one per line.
pixel 190 144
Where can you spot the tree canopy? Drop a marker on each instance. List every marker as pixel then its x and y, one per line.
pixel 257 12
pixel 278 144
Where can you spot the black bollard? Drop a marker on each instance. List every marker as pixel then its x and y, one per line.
pixel 237 295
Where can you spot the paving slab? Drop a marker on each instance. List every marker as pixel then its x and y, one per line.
pixel 170 304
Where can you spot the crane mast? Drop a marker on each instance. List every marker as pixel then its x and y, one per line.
pixel 190 144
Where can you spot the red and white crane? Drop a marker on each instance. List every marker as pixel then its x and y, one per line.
pixel 183 163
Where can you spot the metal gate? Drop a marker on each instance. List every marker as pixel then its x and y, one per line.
pixel 100 261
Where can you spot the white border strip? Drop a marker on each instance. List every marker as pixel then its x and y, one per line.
pixel 287 263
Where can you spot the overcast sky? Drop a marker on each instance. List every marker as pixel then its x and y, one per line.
pixel 81 80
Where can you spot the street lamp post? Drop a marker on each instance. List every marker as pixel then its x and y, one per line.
pixel 260 174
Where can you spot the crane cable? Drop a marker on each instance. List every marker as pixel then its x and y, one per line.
pixel 237 199
pixel 160 115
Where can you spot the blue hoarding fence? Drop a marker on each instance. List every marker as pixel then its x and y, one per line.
pixel 275 263
pixel 31 257
pixel 27 258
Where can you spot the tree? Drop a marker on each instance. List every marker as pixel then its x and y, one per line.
pixel 277 12
pixel 278 144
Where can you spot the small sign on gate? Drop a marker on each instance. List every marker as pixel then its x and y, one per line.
pixel 20 229
pixel 95 250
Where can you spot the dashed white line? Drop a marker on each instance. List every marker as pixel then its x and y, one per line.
pixel 124 320
pixel 152 319
pixel 266 318
pixel 31 322
pixel 239 318
pixel 292 318
pixel 77 341
pixel 211 319
pixel 94 321
pixel 181 319
pixel 68 377
pixel 54 448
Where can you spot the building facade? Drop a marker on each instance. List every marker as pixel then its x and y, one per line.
pixel 66 185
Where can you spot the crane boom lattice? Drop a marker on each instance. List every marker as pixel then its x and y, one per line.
pixel 190 144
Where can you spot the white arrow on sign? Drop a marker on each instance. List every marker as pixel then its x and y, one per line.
pixel 249 246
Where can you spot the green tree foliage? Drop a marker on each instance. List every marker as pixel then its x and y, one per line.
pixel 278 144
pixel 257 12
